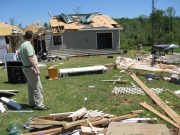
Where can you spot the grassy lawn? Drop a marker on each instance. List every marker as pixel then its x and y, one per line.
pixel 67 94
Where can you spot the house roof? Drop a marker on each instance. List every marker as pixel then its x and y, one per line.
pixel 82 21
pixel 36 28
pixel 8 29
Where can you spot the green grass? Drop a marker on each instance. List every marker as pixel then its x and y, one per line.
pixel 67 94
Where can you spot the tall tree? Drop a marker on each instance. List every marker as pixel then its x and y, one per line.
pixel 170 12
pixel 20 26
pixel 12 21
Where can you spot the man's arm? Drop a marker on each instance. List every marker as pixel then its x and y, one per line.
pixel 30 58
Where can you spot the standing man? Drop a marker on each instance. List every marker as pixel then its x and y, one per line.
pixel 32 73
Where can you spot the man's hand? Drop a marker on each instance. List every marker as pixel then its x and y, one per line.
pixel 38 72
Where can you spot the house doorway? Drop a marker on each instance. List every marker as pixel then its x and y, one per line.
pixel 104 40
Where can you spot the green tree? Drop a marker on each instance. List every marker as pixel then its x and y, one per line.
pixel 46 26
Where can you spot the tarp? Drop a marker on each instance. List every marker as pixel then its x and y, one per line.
pixel 166 46
pixel 172 46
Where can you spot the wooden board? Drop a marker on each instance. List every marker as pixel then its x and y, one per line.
pixel 2 93
pixel 144 104
pixel 118 128
pixel 79 113
pixel 165 107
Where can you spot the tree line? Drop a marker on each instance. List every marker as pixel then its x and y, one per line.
pixel 161 27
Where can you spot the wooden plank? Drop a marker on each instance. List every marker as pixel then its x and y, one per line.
pixel 165 107
pixel 47 122
pixel 80 122
pixel 173 93
pixel 114 119
pixel 41 126
pixel 55 130
pixel 88 131
pixel 55 117
pixel 137 111
pixel 10 90
pixel 119 81
pixel 61 113
pixel 76 115
pixel 6 92
pixel 145 105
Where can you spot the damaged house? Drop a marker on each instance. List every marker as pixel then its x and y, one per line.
pixel 9 39
pixel 83 34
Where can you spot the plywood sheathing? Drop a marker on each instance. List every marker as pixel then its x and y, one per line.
pixel 118 128
pixel 12 27
pixel 99 21
pixel 165 107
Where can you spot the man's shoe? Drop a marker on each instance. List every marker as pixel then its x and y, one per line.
pixel 42 108
pixel 32 106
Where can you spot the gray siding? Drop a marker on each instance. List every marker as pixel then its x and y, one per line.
pixel 81 43
pixel 87 39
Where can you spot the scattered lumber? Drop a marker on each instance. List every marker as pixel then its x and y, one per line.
pixel 80 122
pixel 145 105
pixel 89 125
pixel 78 114
pixel 164 106
pixel 55 117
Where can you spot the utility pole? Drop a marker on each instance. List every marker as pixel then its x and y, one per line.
pixel 152 25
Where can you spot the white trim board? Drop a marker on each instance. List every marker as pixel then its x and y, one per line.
pixel 2 108
pixel 11 103
pixel 64 72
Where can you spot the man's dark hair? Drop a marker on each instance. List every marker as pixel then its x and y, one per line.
pixel 29 34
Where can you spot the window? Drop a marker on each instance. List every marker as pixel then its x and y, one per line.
pixel 57 40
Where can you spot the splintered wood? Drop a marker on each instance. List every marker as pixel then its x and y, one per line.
pixel 55 124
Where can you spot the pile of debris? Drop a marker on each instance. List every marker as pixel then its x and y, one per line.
pixel 89 122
